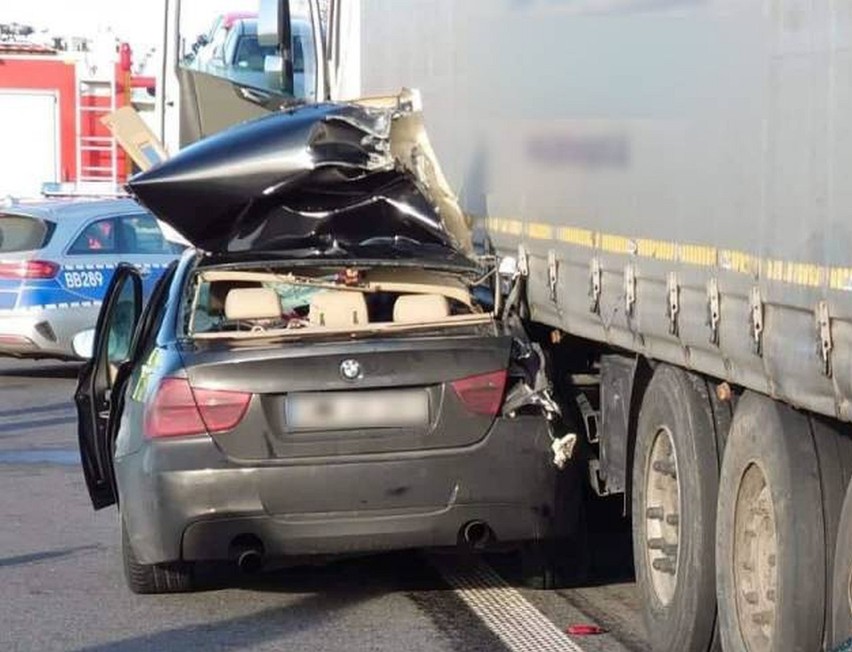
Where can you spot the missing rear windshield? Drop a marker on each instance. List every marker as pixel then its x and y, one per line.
pixel 21 233
pixel 303 302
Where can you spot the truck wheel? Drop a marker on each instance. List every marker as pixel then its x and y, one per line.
pixel 174 577
pixel 770 550
pixel 842 584
pixel 834 454
pixel 675 481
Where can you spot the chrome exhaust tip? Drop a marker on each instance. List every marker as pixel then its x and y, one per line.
pixel 476 534
pixel 250 561
pixel 247 551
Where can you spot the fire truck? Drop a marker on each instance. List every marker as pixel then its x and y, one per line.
pixel 52 101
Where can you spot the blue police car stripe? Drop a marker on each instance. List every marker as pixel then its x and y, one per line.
pixel 89 287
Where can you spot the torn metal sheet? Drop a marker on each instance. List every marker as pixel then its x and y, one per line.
pixel 344 174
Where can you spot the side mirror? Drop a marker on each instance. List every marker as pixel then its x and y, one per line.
pixel 273 68
pixel 83 344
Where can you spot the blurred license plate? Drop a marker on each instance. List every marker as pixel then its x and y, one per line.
pixel 351 410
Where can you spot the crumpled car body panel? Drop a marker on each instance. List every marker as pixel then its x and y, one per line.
pixel 344 174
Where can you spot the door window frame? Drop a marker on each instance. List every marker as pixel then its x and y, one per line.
pixel 97 386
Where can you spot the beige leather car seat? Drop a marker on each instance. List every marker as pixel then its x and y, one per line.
pixel 338 309
pixel 414 308
pixel 252 303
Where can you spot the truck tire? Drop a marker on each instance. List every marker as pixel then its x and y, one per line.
pixel 770 548
pixel 174 577
pixel 842 583
pixel 675 482
pixel 833 443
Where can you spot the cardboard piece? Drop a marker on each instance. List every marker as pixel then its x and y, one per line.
pixel 137 139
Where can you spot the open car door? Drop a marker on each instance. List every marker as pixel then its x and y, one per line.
pixel 94 396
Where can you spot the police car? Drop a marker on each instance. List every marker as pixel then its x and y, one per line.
pixel 56 261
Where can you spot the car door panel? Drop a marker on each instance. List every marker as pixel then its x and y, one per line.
pixel 100 379
pixel 211 103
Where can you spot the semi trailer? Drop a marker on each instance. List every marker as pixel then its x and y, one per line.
pixel 666 183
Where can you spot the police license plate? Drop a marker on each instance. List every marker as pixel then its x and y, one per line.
pixel 357 409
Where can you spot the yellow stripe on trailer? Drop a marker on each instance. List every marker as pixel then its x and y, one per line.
pixel 741 262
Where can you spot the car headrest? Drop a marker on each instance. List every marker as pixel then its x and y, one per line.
pixel 252 303
pixel 338 309
pixel 413 308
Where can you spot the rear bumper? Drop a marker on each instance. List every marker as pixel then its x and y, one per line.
pixel 340 534
pixel 506 480
pixel 43 333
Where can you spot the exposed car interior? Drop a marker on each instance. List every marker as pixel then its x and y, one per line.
pixel 235 303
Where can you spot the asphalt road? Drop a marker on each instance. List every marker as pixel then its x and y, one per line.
pixel 61 586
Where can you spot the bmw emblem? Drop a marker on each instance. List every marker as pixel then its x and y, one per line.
pixel 351 369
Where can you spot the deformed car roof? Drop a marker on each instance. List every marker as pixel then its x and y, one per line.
pixel 344 174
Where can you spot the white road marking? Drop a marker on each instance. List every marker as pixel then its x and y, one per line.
pixel 516 622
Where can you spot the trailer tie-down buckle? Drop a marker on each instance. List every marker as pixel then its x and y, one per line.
pixel 552 274
pixel 825 345
pixel 629 289
pixel 756 319
pixel 713 314
pixel 523 261
pixel 595 286
pixel 673 304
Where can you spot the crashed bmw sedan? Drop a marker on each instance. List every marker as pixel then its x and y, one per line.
pixel 323 372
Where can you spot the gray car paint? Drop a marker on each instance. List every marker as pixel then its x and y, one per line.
pixel 200 502
pixel 326 491
pixel 191 497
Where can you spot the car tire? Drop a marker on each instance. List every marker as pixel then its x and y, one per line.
pixel 172 577
pixel 770 517
pixel 674 488
pixel 842 581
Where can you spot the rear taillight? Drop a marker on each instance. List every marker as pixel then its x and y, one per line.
pixel 179 410
pixel 221 410
pixel 173 411
pixel 28 269
pixel 482 394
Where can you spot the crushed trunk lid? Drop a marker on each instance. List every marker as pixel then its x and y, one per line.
pixel 342 173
